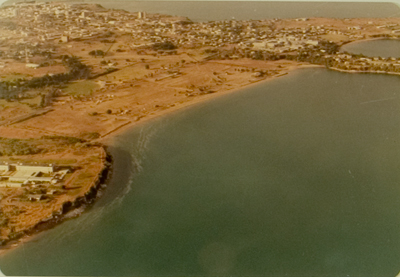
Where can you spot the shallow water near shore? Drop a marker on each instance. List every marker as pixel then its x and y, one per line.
pixel 297 176
pixel 385 48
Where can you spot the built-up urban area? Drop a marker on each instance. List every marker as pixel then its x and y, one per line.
pixel 35 27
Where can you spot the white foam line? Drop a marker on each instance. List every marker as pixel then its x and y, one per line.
pixel 378 100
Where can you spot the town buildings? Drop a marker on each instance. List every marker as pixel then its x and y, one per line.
pixel 17 175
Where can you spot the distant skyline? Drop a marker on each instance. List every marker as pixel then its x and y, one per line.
pixel 377 1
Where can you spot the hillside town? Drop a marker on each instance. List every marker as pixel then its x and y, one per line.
pixel 36 28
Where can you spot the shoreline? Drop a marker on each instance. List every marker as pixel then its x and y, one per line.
pixel 67 208
pixel 363 72
pixel 136 82
pixel 106 173
pixel 367 40
pixel 108 138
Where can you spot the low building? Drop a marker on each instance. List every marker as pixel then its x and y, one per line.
pixel 64 38
pixel 36 197
pixel 10 185
pixel 35 168
pixel 32 65
pixel 4 168
pixel 17 175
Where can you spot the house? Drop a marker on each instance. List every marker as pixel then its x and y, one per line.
pixel 32 65
pixel 64 38
pixel 36 197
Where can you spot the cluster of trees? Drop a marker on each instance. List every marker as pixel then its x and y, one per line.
pixel 19 51
pixel 309 54
pixel 312 54
pixel 3 220
pixel 77 70
pixel 217 54
pixel 355 64
pixel 163 46
pixel 97 53
pixel 10 147
pixel 329 46
pixel 64 139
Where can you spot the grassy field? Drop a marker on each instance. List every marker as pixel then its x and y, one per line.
pixel 127 73
pixel 81 88
pixel 9 106
pixel 6 104
pixel 14 76
pixel 335 37
pixel 35 102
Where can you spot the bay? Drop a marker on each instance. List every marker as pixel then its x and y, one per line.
pixel 297 176
pixel 385 48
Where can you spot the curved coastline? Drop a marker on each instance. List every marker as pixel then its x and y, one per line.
pixel 107 138
pixel 106 173
pixel 367 40
pixel 364 72
pixel 67 209
pixel 84 204
pixel 116 210
pixel 103 176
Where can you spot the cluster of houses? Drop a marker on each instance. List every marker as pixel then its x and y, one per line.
pixel 18 175
pixel 63 22
pixel 376 64
pixel 41 23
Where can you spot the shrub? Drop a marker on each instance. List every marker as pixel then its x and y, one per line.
pixel 164 46
pixel 96 53
pixel 90 135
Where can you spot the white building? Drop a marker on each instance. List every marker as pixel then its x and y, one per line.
pixel 35 168
pixel 17 175
pixel 32 65
pixel 4 168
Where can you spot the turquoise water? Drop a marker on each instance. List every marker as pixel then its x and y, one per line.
pixel 376 48
pixel 294 177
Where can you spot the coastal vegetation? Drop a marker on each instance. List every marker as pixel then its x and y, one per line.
pixel 10 147
pixel 77 70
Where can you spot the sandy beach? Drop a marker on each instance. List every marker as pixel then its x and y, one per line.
pixel 106 139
